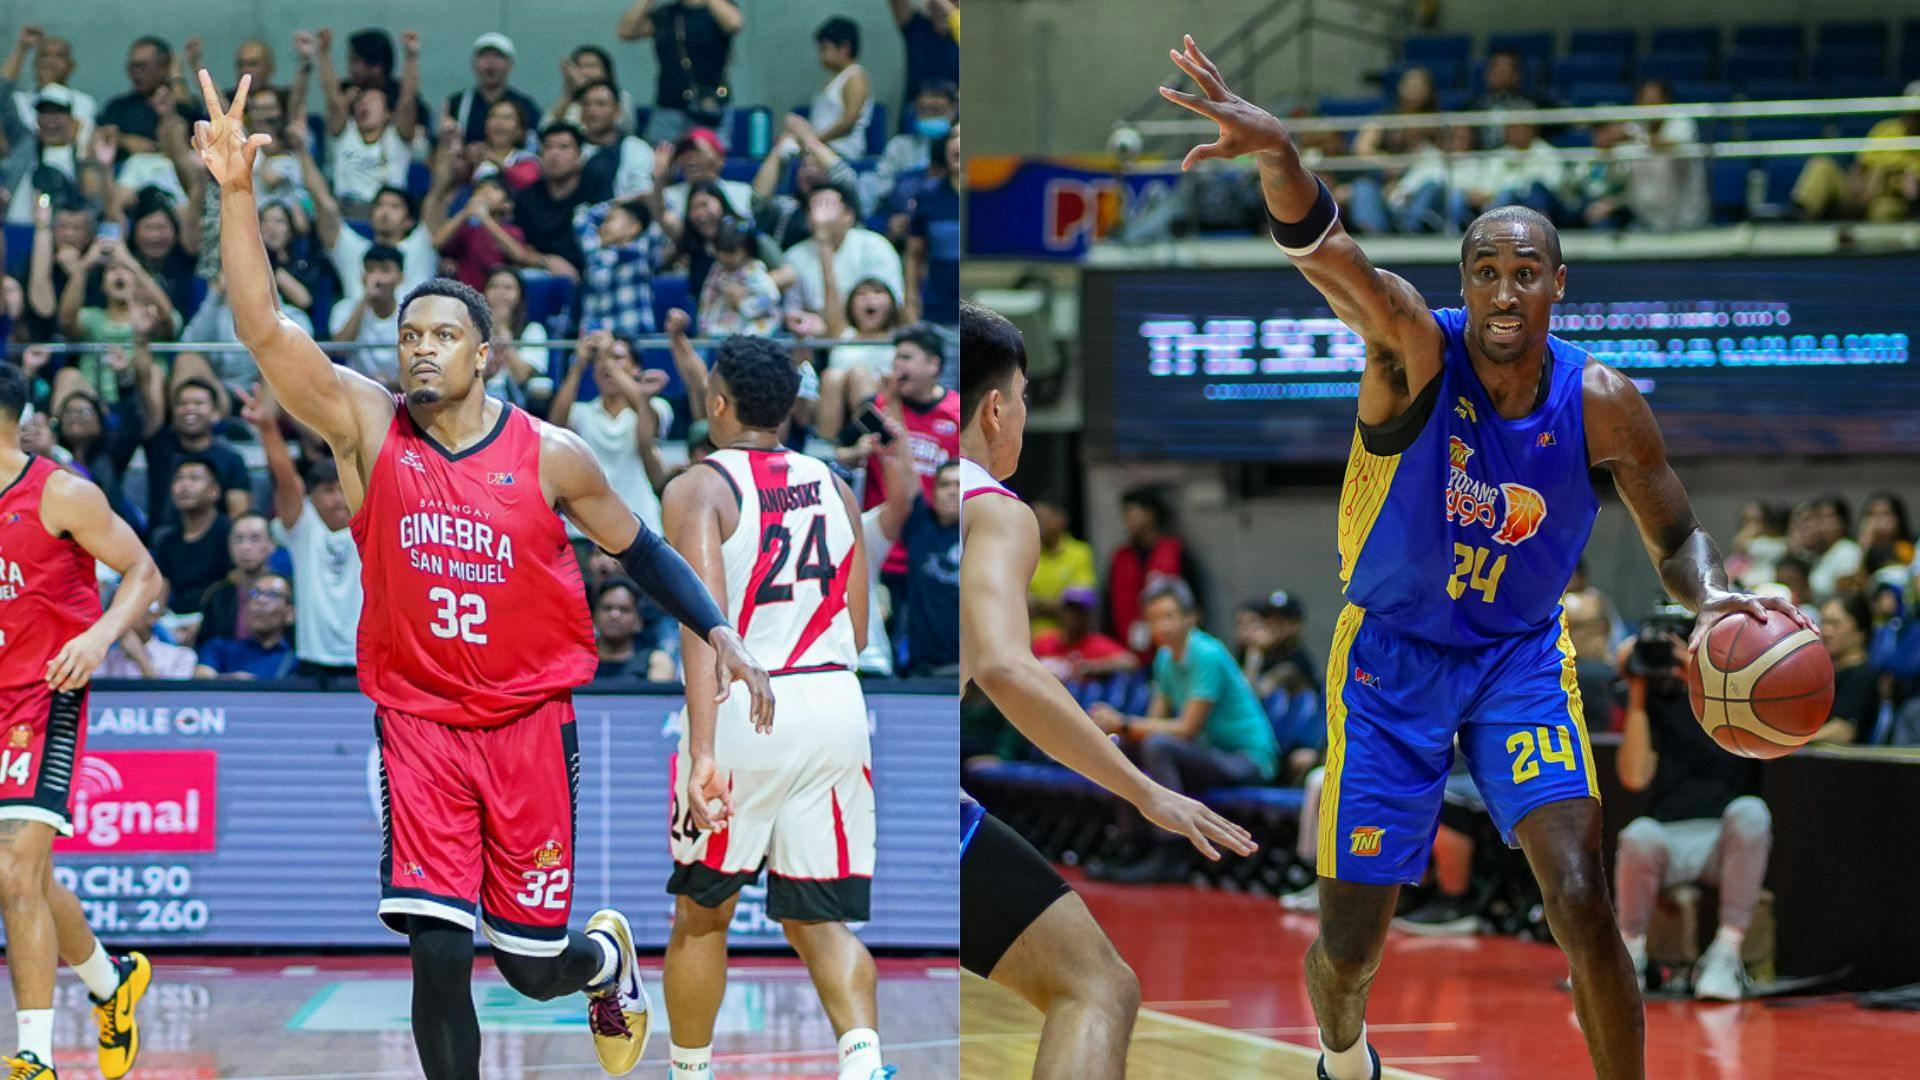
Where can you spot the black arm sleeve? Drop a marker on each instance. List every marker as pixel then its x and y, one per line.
pixel 671 582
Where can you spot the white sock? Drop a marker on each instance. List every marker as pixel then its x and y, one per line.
pixel 1729 938
pixel 692 1063
pixel 36 1033
pixel 1636 949
pixel 859 1054
pixel 1353 1063
pixel 609 959
pixel 98 972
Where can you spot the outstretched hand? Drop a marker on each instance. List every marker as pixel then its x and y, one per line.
pixel 223 143
pixel 1192 819
pixel 1245 128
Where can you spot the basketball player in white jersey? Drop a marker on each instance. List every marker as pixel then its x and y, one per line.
pixel 1020 923
pixel 777 539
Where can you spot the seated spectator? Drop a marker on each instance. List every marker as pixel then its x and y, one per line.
pixel 395 220
pixel 213 324
pixel 904 162
pixel 871 319
pixel 1760 543
pixel 141 654
pixel 622 426
pixel 1790 578
pixel 374 317
pixel 782 216
pixel 1065 564
pixel 276 169
pixel 501 151
pixel 1885 539
pixel 192 550
pixel 930 412
pixel 933 240
pixel 164 240
pixel 1269 651
pixel 98 443
pixel 1881 185
pixel 1504 87
pixel 1413 95
pixel 1846 622
pixel 738 295
pixel 302 273
pixel 187 432
pixel 311 519
pixel 692 40
pixel 844 105
pixel 545 210
pixel 148 124
pixel 62 234
pixel 1153 549
pixel 136 307
pixel 375 149
pixel 1526 171
pixel 1703 822
pixel 1072 649
pixel 1434 194
pixel 492 65
pixel 585 66
pixel 521 367
pixel 928 531
pixel 616 634
pixel 615 157
pixel 53 65
pixel 250 548
pixel 693 237
pixel 1834 559
pixel 1203 728
pixel 1665 192
pixel 696 158
pixel 262 651
pixel 622 249
pixel 369 66
pixel 838 255
pixel 483 236
pixel 44 154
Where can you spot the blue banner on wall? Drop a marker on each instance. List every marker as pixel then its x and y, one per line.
pixel 1046 208
pixel 209 816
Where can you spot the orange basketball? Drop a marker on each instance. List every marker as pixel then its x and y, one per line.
pixel 1761 689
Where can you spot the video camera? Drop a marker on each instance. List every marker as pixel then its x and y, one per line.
pixel 1652 652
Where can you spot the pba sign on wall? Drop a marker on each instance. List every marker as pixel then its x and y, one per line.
pixel 226 817
pixel 1046 207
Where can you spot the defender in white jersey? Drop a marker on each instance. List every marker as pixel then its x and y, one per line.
pixel 777 539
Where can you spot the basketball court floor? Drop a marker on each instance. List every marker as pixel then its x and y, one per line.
pixel 1224 995
pixel 346 1018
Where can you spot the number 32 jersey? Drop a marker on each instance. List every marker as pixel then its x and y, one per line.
pixel 788 560
pixel 475 611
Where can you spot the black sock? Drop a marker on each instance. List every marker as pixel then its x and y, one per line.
pixel 544 978
pixel 445 1029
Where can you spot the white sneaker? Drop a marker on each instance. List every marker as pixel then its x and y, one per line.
pixel 1306 901
pixel 1720 976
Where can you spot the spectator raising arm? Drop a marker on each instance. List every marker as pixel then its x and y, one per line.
pixel 289 490
pixel 406 113
pixel 595 344
pixel 636 23
pixel 693 370
pixel 326 209
pixel 903 485
pixel 615 379
pixel 337 115
pixel 336 402
pixel 41 299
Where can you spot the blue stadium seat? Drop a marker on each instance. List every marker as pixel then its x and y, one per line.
pixel 1782 172
pixel 750 132
pixel 671 291
pixel 1744 65
pixel 419 179
pixel 1428 48
pixel 1445 73
pixel 1846 61
pixel 641 115
pixel 1532 74
pixel 1677 65
pixel 1586 95
pixel 1852 86
pixel 1704 39
pixel 1727 189
pixel 1910 59
pixel 1855 126
pixel 1572 135
pixel 1701 90
pixel 1533 46
pixel 1454 100
pixel 1589 68
pixel 1265 798
pixel 1776 36
pixel 1786 127
pixel 742 169
pixel 547 296
pixel 1358 105
pixel 19 249
pixel 1775 89
pixel 1854 34
pixel 877 131
pixel 1598 42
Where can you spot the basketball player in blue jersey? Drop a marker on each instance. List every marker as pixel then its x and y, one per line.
pixel 1465 508
pixel 1020 923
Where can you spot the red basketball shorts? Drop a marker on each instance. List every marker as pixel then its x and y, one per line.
pixel 42 735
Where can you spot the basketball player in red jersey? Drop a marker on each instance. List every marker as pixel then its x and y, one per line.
pixel 777 538
pixel 53 526
pixel 474 632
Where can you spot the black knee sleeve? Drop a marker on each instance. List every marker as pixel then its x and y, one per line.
pixel 544 978
pixel 445 1029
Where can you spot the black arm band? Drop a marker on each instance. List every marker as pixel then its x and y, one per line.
pixel 1302 238
pixel 666 577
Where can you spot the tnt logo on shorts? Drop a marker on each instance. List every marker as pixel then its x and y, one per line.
pixel 548 856
pixel 1366 840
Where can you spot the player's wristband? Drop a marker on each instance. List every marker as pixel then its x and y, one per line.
pixel 665 576
pixel 1304 237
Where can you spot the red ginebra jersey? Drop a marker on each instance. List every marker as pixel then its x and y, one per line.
pixel 475 613
pixel 47 590
pixel 788 560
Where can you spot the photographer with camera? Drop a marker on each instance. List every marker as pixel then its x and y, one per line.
pixel 1703 822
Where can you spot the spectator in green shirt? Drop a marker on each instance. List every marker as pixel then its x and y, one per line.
pixel 1203 729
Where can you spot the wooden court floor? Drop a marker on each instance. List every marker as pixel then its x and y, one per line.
pixel 347 1018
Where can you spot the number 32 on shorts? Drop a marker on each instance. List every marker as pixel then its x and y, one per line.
pixel 1541 740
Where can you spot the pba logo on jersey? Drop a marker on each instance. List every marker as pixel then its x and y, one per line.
pixel 1365 840
pixel 411 459
pixel 1545 439
pixel 548 856
pixel 413 869
pixel 1464 411
pixel 20 736
pixel 1367 677
pixel 1513 511
pixel 499 478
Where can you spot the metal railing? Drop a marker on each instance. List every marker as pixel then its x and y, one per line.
pixel 649 341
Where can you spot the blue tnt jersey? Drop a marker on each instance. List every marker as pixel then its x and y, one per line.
pixel 1466 530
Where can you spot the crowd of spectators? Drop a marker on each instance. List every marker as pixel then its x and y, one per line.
pixel 616 235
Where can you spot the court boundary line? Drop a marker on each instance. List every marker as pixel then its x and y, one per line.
pixel 1389 1072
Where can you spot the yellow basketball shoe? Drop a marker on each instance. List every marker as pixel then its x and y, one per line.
pixel 119 1031
pixel 618 1011
pixel 27 1067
